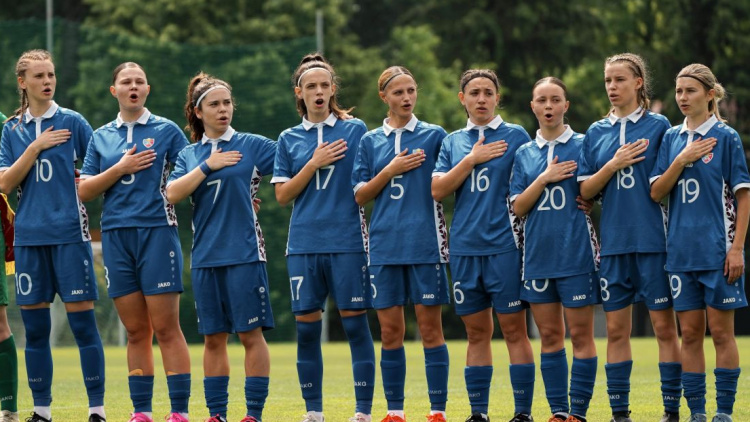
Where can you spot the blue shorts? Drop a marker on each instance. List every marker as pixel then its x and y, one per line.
pixel 634 277
pixel 66 270
pixel 573 292
pixel 142 259
pixel 312 277
pixel 233 298
pixel 397 285
pixel 480 282
pixel 694 290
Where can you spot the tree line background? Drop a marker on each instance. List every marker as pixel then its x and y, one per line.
pixel 255 45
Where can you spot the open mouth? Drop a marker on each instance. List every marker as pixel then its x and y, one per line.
pixel 548 115
pixel 319 102
pixel 134 97
pixel 47 90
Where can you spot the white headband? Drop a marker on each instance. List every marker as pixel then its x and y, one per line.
pixel 310 70
pixel 213 88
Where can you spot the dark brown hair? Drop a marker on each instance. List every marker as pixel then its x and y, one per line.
pixel 472 74
pixel 311 61
pixel 197 86
pixel 637 65
pixel 703 74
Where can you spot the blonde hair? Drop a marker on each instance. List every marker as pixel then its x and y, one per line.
pixel 703 74
pixel 21 67
pixel 389 74
pixel 637 65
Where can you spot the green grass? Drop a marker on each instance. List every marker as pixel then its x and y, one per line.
pixel 285 402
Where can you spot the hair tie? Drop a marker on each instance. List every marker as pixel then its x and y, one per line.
pixel 391 78
pixel 709 87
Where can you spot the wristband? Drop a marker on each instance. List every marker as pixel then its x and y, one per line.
pixel 205 168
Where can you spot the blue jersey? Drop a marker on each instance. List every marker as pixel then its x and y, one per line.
pixel 225 228
pixel 483 222
pixel 49 211
pixel 559 238
pixel 407 226
pixel 325 217
pixel 702 205
pixel 139 199
pixel 630 220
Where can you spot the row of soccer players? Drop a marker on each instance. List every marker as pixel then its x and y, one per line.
pixel 515 197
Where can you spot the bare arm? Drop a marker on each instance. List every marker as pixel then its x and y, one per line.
pixel 325 154
pixel 626 155
pixel 448 183
pixel 91 187
pixel 555 172
pixel 400 164
pixel 13 176
pixel 690 154
pixel 183 187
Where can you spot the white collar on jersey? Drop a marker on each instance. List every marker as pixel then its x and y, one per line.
pixel 633 117
pixel 410 126
pixel 494 124
pixel 702 129
pixel 226 136
pixel 27 117
pixel 541 142
pixel 330 121
pixel 141 120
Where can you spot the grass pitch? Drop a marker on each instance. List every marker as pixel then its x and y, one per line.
pixel 285 403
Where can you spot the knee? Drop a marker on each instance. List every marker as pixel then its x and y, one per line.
pixel 431 333
pixel 665 330
pixel 167 334
pixel 721 336
pixel 581 337
pixel 550 335
pixel 478 334
pixel 392 334
pixel 215 343
pixel 692 336
pixel 139 333
pixel 514 332
pixel 617 333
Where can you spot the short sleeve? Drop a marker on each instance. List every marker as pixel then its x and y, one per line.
pixel 443 164
pixel 179 142
pixel 586 160
pixel 662 159
pixel 282 167
pixel 92 160
pixel 361 173
pixel 518 177
pixel 180 167
pixel 6 153
pixel 82 135
pixel 738 174
pixel 266 155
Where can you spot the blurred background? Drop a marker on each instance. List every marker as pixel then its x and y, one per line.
pixel 255 46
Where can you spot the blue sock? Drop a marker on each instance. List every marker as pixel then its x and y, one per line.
pixel 522 378
pixel 141 392
pixel 726 389
pixel 618 385
pixel 393 371
pixel 310 364
pixel 555 375
pixel 478 380
pixel 363 360
pixel 216 390
pixel 694 384
pixel 83 325
pixel 671 385
pixel 256 391
pixel 582 380
pixel 179 392
pixel 38 324
pixel 436 361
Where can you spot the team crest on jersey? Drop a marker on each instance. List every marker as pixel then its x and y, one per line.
pixel 644 140
pixel 707 158
pixel 148 142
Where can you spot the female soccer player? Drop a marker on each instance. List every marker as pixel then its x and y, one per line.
pixel 560 252
pixel 40 146
pixel 616 159
pixel 409 245
pixel 8 355
pixel 221 173
pixel 702 167
pixel 476 164
pixel 327 233
pixel 141 247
